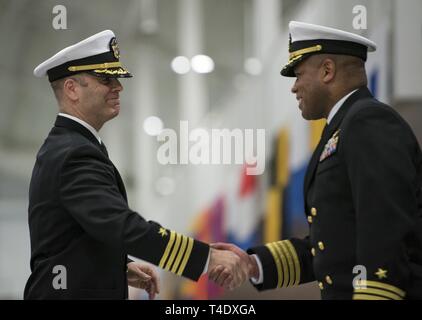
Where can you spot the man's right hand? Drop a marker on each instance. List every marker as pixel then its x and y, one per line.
pixel 226 268
pixel 248 265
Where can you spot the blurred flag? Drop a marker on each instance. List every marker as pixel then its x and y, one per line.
pixel 379 62
pixel 279 170
pixel 233 218
pixel 293 147
pixel 243 210
pixel 208 227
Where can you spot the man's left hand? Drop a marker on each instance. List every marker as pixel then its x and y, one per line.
pixel 143 276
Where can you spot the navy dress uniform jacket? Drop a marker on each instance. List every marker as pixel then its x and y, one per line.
pixel 79 219
pixel 363 203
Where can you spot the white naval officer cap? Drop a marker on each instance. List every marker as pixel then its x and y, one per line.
pixel 98 54
pixel 306 39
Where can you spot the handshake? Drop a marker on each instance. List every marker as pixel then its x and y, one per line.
pixel 230 266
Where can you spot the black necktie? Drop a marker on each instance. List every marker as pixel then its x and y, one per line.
pixel 324 132
pixel 103 148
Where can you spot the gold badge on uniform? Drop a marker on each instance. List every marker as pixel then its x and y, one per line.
pixel 115 48
pixel 331 147
pixel 381 273
pixel 163 232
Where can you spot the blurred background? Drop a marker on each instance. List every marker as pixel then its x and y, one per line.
pixel 215 63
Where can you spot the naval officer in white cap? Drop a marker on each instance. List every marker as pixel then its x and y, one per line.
pixel 79 217
pixel 362 190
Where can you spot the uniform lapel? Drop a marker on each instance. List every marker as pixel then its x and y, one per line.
pixel 120 183
pixel 314 160
pixel 73 125
pixel 329 130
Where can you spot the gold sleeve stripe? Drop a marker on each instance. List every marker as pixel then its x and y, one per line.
pixel 270 246
pixel 367 297
pixel 389 287
pixel 379 292
pixel 287 262
pixel 173 252
pixel 186 257
pixel 180 254
pixel 295 260
pixel 290 263
pixel 283 261
pixel 167 251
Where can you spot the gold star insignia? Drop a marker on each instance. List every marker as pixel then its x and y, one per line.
pixel 381 273
pixel 163 232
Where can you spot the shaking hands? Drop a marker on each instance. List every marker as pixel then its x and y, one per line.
pixel 230 266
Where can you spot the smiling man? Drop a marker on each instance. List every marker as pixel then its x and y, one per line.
pixel 79 218
pixel 362 189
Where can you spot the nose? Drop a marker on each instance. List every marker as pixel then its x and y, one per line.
pixel 294 88
pixel 117 86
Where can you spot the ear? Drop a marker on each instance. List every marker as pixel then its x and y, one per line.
pixel 71 89
pixel 328 70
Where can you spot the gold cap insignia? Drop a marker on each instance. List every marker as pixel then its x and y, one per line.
pixel 115 48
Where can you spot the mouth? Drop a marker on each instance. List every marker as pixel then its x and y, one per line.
pixel 299 99
pixel 114 100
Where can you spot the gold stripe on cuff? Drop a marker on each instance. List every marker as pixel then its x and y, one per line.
pixel 295 260
pixel 186 257
pixel 379 292
pixel 283 260
pixel 290 263
pixel 385 286
pixel 276 258
pixel 180 254
pixel 173 252
pixel 367 297
pixel 167 251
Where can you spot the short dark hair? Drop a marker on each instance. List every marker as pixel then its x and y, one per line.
pixel 57 85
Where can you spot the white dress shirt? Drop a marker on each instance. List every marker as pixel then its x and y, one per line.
pixel 337 106
pixel 86 125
